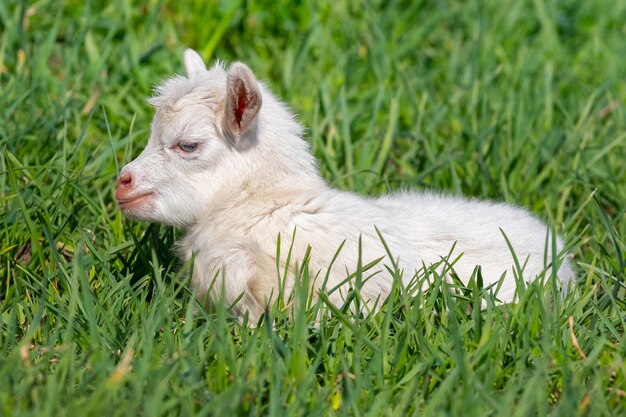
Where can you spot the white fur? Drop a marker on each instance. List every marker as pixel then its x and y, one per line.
pixel 234 197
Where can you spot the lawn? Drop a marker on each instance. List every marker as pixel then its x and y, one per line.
pixel 510 100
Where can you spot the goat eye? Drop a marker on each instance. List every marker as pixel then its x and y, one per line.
pixel 187 146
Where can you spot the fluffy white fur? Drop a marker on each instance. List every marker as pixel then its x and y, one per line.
pixel 226 161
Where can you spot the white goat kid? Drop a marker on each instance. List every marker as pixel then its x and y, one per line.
pixel 226 161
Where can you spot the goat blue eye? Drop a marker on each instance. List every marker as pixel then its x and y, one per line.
pixel 188 146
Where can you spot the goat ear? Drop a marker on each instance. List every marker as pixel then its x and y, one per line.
pixel 243 100
pixel 193 63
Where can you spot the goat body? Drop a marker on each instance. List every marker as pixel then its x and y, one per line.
pixel 226 161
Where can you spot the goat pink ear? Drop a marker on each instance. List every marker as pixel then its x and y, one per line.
pixel 193 63
pixel 243 100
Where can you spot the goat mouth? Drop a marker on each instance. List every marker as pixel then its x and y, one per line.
pixel 135 201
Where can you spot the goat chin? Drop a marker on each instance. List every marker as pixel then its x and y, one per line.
pixel 226 161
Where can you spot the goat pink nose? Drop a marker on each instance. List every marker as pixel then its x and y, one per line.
pixel 124 181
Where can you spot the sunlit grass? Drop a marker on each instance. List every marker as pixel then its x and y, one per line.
pixel 515 101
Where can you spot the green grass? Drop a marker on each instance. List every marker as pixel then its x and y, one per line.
pixel 519 101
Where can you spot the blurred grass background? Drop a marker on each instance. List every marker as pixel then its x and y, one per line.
pixel 520 101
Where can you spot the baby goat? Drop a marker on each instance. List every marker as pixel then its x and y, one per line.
pixel 226 161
